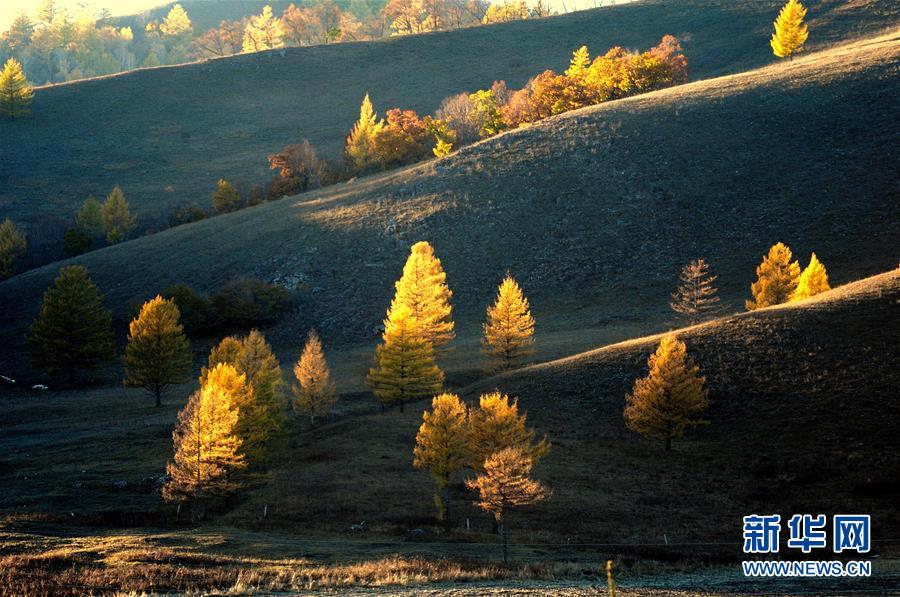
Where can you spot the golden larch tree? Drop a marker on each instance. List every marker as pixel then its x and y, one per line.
pixel 73 331
pixel 696 296
pixel 776 278
pixel 177 23
pixel 15 92
pixel 506 483
pixel 812 281
pixel 158 353
pixel 314 390
pixel 664 404
pixel 790 30
pixel 263 32
pixel 442 446
pixel 496 424
pixel 207 447
pixel 405 369
pixel 13 245
pixel 262 411
pixel 359 147
pixel 581 60
pixel 509 329
pixel 117 219
pixel 423 289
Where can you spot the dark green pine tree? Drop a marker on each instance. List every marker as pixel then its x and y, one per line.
pixel 73 331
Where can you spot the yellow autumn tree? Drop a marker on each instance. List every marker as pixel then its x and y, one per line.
pixel 207 447
pixel 442 446
pixel 664 404
pixel 495 425
pixel 314 390
pixel 812 281
pixel 15 92
pixel 509 329
pixel 177 23
pixel 505 483
pixel 405 369
pixel 790 30
pixel 423 289
pixel 262 410
pixel 359 147
pixel 264 31
pixel 158 353
pixel 776 278
pixel 581 61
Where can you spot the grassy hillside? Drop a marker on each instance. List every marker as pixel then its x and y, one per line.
pixel 167 134
pixel 799 422
pixel 594 212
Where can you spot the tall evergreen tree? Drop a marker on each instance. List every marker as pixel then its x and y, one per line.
pixel 225 198
pixel 496 424
pixel 90 218
pixel 509 329
pixel 314 390
pixel 790 30
pixel 505 483
pixel 405 367
pixel 812 281
pixel 359 147
pixel 73 331
pixel 423 288
pixel 13 245
pixel 15 92
pixel 207 447
pixel 776 279
pixel 117 219
pixel 665 402
pixel 696 297
pixel 177 23
pixel 158 353
pixel 442 446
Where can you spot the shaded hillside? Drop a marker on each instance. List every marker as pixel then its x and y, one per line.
pixel 167 134
pixel 799 422
pixel 594 211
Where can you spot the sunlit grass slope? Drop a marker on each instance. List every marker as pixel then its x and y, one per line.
pixel 594 212
pixel 166 135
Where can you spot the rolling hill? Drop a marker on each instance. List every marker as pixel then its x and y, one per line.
pixel 593 211
pixel 167 134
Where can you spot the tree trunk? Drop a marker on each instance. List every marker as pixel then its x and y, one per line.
pixel 445 499
pixel 503 538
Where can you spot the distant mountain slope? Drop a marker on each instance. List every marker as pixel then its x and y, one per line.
pixel 167 134
pixel 801 420
pixel 594 211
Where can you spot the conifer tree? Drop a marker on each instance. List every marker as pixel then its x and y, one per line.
pixel 423 288
pixel 505 483
pixel 790 31
pixel 73 331
pixel 225 198
pixel 664 403
pixel 496 424
pixel 261 410
pixel 696 296
pixel 314 390
pixel 509 329
pixel 117 219
pixel 158 353
pixel 15 92
pixel 207 448
pixel 776 279
pixel 13 245
pixel 442 446
pixel 263 32
pixel 581 60
pixel 405 367
pixel 359 147
pixel 177 23
pixel 90 218
pixel 812 281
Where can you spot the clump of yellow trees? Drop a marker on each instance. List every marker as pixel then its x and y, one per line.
pixel 779 279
